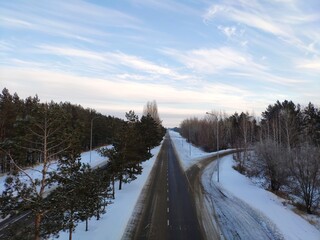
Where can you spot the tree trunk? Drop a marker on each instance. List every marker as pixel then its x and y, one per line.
pixel 87 225
pixel 70 232
pixel 113 190
pixel 120 183
pixel 37 222
pixel 275 185
pixel 98 212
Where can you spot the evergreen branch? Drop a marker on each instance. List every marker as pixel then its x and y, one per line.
pixel 28 199
pixel 33 142
pixel 53 141
pixel 50 133
pixel 22 170
pixel 56 153
pixel 40 126
pixel 55 146
pixel 35 133
pixel 33 149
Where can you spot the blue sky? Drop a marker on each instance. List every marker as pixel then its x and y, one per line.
pixel 190 56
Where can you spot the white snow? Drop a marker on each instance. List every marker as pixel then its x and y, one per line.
pixel 187 153
pixel 35 172
pixel 291 225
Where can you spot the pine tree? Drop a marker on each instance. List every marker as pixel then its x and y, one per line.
pixel 150 130
pixel 46 134
pixel 129 150
pixel 311 125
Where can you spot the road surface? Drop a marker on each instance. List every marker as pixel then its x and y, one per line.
pixel 169 211
pixel 189 205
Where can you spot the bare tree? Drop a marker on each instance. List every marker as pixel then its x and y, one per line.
pixel 271 163
pixel 305 171
pixel 151 108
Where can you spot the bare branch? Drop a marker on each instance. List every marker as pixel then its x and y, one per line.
pixel 23 171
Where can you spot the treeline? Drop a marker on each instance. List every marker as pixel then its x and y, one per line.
pixel 286 144
pixel 65 191
pixel 236 130
pixel 18 115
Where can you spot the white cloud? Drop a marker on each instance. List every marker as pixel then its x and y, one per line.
pixel 228 31
pixel 313 65
pixel 286 20
pixel 79 20
pixel 140 64
pixel 229 62
pixel 9 21
pixel 72 52
pixel 6 46
pixel 116 59
pixel 169 6
pixel 212 12
pixel 214 60
pixel 85 90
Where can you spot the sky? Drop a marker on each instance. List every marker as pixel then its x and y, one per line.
pixel 191 56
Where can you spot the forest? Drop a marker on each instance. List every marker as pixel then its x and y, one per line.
pixel 35 133
pixel 282 147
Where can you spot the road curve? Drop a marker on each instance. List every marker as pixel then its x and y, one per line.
pixel 237 220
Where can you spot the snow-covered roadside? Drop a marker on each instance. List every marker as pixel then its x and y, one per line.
pixel 187 153
pixel 290 224
pixel 96 161
pixel 112 224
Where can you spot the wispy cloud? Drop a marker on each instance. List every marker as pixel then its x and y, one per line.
pixel 228 31
pixel 50 83
pixel 79 20
pixel 173 6
pixel 214 60
pixel 312 65
pixel 119 54
pixel 113 59
pixel 6 46
pixel 15 22
pixel 227 61
pixel 71 52
pixel 284 19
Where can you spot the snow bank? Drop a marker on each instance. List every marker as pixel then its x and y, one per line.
pixel 112 224
pixel 187 153
pixel 291 225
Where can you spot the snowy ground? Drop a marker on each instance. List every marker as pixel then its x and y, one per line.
pixel 187 153
pixel 35 172
pixel 291 225
pixel 267 206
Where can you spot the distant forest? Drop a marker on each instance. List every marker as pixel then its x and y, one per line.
pixel 282 147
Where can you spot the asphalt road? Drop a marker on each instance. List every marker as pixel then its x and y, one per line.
pixel 169 211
